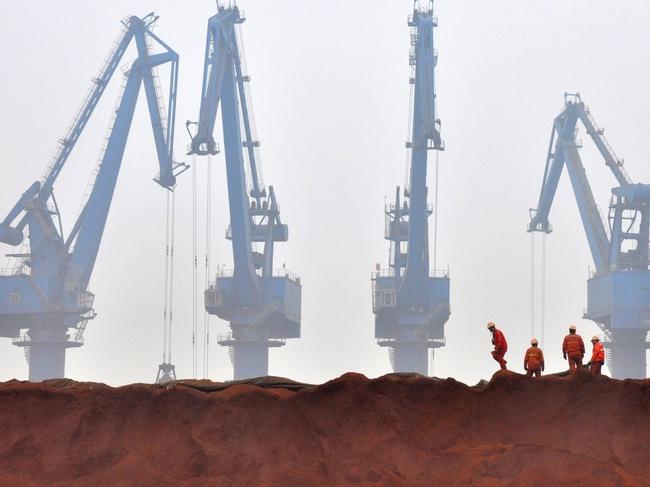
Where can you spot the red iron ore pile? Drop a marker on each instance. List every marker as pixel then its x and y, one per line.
pixel 399 430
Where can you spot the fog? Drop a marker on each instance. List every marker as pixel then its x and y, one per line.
pixel 330 92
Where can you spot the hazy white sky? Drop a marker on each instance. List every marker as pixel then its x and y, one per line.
pixel 330 91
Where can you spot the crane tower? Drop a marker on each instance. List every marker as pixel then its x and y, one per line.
pixel 261 304
pixel 411 301
pixel 45 302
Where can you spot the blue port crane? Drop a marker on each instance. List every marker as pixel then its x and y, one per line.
pixel 411 301
pixel 618 290
pixel 45 303
pixel 261 304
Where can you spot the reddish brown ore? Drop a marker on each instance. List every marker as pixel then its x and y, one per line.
pixel 397 431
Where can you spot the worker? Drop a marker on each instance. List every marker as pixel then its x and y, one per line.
pixel 573 348
pixel 534 360
pixel 500 345
pixel 597 356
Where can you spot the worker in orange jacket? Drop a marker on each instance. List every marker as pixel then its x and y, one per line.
pixel 597 356
pixel 573 348
pixel 534 360
pixel 500 345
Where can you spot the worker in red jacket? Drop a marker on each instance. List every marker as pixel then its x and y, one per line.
pixel 534 360
pixel 500 345
pixel 573 348
pixel 597 356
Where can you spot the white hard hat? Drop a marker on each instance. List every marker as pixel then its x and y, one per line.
pixel 533 341
pixel 595 339
pixel 490 324
pixel 572 327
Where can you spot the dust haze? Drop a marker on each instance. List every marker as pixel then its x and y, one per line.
pixel 331 95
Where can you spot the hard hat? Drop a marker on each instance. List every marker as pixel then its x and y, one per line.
pixel 533 341
pixel 572 327
pixel 595 339
pixel 490 324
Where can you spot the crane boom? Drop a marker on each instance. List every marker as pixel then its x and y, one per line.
pixel 597 136
pixel 563 151
pixel 246 285
pixel 69 140
pixel 425 136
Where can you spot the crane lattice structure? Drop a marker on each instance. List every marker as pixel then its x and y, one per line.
pixel 411 301
pixel 618 292
pixel 45 303
pixel 261 304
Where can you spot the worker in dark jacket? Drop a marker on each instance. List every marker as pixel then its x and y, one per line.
pixel 597 356
pixel 534 360
pixel 573 348
pixel 500 345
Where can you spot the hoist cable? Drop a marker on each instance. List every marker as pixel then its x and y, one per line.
pixel 435 236
pixel 532 284
pixel 170 315
pixel 194 274
pixel 543 290
pixel 208 232
pixel 166 279
pixel 435 214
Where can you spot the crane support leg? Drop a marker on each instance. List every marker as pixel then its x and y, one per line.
pixel 46 361
pixel 410 357
pixel 627 354
pixel 45 352
pixel 249 359
pixel 249 351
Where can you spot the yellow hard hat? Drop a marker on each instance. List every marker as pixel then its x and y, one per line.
pixel 533 341
pixel 595 339
pixel 572 327
pixel 491 324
